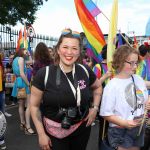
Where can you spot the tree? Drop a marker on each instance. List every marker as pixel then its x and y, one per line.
pixel 13 11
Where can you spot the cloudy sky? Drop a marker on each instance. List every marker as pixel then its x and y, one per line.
pixel 56 15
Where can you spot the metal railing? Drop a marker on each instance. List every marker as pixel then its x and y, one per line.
pixel 9 37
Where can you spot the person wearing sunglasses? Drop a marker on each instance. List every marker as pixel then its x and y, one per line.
pixel 124 101
pixel 65 122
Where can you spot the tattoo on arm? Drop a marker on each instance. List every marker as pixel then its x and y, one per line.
pixel 38 115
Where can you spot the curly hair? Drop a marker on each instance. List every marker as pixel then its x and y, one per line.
pixel 68 35
pixel 120 56
pixel 41 52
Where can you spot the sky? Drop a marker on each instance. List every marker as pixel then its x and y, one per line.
pixel 55 15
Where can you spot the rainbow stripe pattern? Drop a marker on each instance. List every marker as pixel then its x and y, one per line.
pixel 20 43
pixel 91 29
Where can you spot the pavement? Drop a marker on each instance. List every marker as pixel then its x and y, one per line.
pixel 17 140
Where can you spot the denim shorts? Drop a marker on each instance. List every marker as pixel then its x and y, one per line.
pixel 125 138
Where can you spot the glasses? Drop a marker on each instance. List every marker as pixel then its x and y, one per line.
pixel 132 63
pixel 69 31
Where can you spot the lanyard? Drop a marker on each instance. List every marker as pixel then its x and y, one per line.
pixel 75 88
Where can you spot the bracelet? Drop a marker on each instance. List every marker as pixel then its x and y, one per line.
pixel 95 107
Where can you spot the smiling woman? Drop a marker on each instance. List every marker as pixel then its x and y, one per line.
pixel 67 115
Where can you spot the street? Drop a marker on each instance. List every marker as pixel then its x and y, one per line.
pixel 17 140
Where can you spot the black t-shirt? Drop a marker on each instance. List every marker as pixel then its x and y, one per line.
pixel 54 97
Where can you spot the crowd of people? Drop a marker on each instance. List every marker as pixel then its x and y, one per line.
pixel 64 95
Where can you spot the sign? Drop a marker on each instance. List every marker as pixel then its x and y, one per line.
pixel 30 31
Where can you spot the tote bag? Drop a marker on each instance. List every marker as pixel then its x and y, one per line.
pixel 21 93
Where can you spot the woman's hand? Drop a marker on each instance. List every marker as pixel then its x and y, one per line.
pixel 45 142
pixel 91 116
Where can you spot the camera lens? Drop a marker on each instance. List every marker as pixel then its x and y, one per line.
pixel 66 123
pixel 72 112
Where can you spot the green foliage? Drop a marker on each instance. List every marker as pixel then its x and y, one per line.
pixel 13 11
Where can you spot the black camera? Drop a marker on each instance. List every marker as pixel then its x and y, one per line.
pixel 67 116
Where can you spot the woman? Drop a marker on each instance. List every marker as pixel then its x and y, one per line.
pixel 42 57
pixel 19 69
pixel 66 115
pixel 124 100
pixel 2 100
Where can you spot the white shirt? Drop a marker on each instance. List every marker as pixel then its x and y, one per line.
pixel 119 98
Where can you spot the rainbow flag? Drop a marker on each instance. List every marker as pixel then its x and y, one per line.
pixel 25 38
pixel 20 43
pixel 91 29
pixel 92 8
pixel 112 34
pixel 120 42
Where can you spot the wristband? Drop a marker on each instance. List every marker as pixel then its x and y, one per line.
pixel 95 107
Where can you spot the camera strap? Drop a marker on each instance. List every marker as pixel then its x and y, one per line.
pixel 75 86
pixel 134 93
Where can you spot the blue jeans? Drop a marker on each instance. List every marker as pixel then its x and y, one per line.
pixel 2 102
pixel 125 138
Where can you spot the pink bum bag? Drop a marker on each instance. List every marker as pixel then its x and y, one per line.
pixel 55 129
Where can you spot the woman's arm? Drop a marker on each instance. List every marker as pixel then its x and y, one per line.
pixel 21 67
pixel 97 92
pixel 35 101
pixel 107 75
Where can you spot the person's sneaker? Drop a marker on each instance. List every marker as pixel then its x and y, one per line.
pixel 7 114
pixel 13 104
pixel 3 146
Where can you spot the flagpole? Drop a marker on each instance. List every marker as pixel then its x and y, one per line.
pixel 117 29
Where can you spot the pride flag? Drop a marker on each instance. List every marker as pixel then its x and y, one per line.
pixel 120 42
pixel 92 8
pixel 112 34
pixel 20 43
pixel 25 38
pixel 91 29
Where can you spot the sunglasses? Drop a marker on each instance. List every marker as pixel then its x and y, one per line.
pixel 68 31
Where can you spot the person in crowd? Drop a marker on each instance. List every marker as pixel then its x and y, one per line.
pixel 19 69
pixel 51 52
pixel 124 101
pixel 9 78
pixel 2 100
pixel 88 61
pixel 106 74
pixel 42 57
pixel 65 122
pixel 144 71
pixel 4 89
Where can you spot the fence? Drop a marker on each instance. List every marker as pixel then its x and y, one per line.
pixel 9 37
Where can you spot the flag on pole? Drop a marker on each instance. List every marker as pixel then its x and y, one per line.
pixel 25 38
pixel 92 8
pixel 120 42
pixel 112 34
pixel 91 29
pixel 20 43
pixel 135 45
